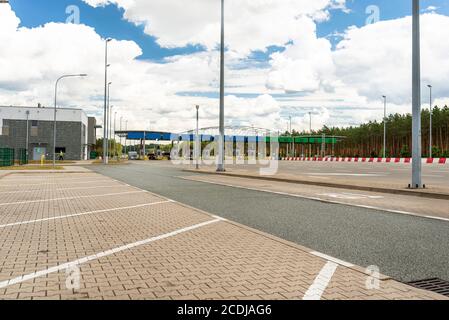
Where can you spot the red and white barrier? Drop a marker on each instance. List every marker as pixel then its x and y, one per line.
pixel 368 160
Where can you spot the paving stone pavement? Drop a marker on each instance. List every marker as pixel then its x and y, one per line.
pixel 61 240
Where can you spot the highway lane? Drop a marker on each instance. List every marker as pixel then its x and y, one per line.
pixel 434 175
pixel 404 247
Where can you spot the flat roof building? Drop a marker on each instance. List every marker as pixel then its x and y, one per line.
pixel 31 128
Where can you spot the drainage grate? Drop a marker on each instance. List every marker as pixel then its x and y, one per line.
pixel 434 285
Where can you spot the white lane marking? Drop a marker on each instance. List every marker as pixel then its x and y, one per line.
pixel 82 214
pixel 322 200
pixel 349 196
pixel 321 282
pixel 61 189
pixel 329 258
pixel 347 174
pixel 64 266
pixel 40 178
pixel 70 198
pixel 47 184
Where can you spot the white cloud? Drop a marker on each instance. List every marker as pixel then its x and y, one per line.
pixel 342 87
pixel 250 24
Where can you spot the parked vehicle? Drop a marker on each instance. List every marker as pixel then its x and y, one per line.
pixel 132 155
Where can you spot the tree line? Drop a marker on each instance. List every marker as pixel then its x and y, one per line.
pixel 366 140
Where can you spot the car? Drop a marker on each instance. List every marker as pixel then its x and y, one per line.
pixel 132 155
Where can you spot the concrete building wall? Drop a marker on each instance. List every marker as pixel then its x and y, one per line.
pixel 71 131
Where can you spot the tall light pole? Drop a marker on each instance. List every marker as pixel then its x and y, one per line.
pixel 310 130
pixel 291 135
pixel 115 119
pixel 121 118
pixel 56 103
pixel 126 137
pixel 110 132
pixel 197 139
pixel 108 114
pixel 105 120
pixel 430 124
pixel 416 101
pixel 221 167
pixel 28 133
pixel 385 126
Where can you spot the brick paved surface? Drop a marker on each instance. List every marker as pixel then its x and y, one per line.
pixel 141 246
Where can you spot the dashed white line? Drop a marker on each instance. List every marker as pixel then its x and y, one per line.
pixel 329 258
pixel 82 214
pixel 63 189
pixel 321 200
pixel 321 282
pixel 103 254
pixel 47 184
pixel 70 198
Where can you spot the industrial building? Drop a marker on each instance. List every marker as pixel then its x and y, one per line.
pixel 31 128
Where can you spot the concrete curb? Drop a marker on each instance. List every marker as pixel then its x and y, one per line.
pixel 440 196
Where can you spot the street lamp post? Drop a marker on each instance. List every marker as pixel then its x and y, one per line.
pixel 121 118
pixel 430 124
pixel 197 139
pixel 56 103
pixel 28 133
pixel 310 130
pixel 385 126
pixel 108 113
pixel 126 137
pixel 110 132
pixel 105 120
pixel 221 167
pixel 293 138
pixel 416 101
pixel 115 119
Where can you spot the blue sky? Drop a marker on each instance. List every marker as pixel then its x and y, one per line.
pixel 108 22
pixel 305 76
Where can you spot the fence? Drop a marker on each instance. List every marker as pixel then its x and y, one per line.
pixel 22 156
pixel 6 157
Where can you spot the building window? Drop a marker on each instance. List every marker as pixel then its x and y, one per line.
pixel 5 131
pixel 5 128
pixel 34 128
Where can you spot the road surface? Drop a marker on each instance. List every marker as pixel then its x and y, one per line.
pixel 406 248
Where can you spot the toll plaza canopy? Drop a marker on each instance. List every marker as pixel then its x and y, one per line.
pixel 175 137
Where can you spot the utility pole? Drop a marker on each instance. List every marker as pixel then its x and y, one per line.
pixel 105 118
pixel 385 126
pixel 115 118
pixel 197 139
pixel 310 130
pixel 221 157
pixel 28 133
pixel 416 101
pixel 111 153
pixel 430 125
pixel 126 137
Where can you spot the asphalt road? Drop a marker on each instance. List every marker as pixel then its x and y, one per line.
pixel 433 175
pixel 404 247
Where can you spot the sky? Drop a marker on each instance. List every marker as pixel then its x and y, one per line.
pixel 284 58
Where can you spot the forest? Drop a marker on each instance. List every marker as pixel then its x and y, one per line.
pixel 366 140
